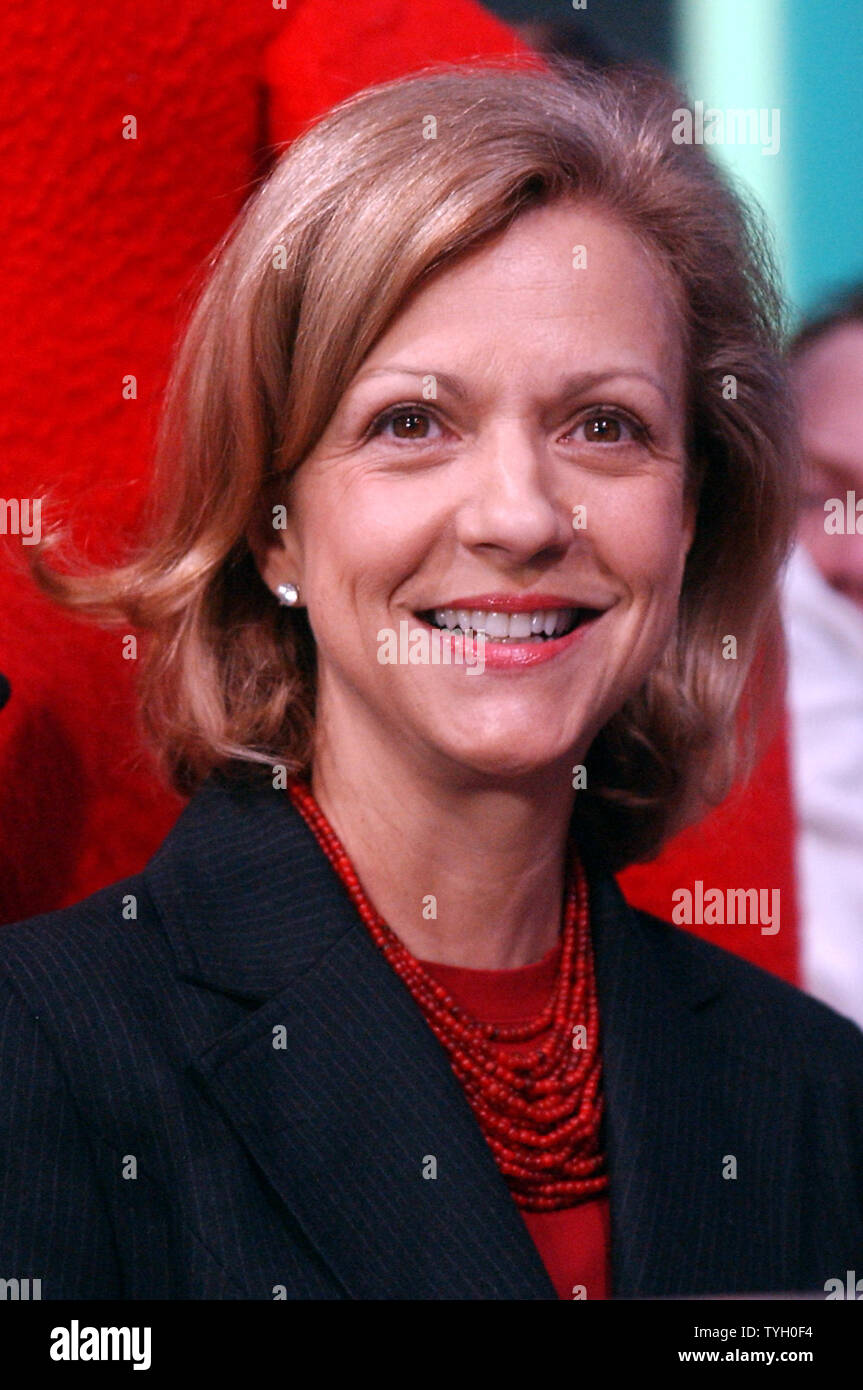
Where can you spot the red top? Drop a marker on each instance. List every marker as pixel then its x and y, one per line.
pixel 573 1243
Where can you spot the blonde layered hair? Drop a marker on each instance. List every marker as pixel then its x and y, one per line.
pixel 354 216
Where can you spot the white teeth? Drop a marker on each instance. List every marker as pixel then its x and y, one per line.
pixel 445 617
pixel 496 625
pixel 519 625
pixel 502 627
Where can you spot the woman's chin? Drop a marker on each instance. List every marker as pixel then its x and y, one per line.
pixel 511 757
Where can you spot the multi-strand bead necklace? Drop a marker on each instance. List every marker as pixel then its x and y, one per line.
pixel 540 1108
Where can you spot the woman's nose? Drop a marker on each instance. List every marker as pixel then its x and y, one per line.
pixel 513 499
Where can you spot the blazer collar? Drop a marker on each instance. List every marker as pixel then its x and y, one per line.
pixel 247 897
pixel 249 901
pixel 362 1088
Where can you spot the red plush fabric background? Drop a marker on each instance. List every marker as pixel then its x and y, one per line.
pixel 102 240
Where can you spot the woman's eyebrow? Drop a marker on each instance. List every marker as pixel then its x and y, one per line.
pixel 572 385
pixel 453 384
pixel 838 472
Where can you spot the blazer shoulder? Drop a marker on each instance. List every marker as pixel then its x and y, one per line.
pixel 781 1018
pixel 99 980
pixel 112 938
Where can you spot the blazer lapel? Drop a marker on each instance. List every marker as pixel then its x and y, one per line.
pixel 659 1120
pixel 335 1083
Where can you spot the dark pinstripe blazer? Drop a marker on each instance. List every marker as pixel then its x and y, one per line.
pixel 155 1144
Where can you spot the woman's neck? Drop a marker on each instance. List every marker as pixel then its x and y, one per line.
pixel 467 874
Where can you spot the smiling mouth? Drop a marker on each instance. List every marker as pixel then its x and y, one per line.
pixel 533 628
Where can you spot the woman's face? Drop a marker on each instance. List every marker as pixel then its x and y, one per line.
pixel 829 381
pixel 513 445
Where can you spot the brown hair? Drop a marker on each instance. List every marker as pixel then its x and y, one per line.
pixel 354 215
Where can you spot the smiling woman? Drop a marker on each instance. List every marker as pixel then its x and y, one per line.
pixel 467 511
pixel 397 1032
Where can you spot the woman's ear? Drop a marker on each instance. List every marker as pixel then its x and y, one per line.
pixel 273 539
pixel 690 518
pixel 691 499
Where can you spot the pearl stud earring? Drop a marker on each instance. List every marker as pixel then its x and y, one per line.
pixel 287 594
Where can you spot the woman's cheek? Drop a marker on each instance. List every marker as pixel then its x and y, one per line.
pixel 641 539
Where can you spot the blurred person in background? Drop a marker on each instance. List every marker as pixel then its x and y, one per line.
pixel 823 605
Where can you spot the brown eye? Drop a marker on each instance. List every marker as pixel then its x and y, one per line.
pixel 603 429
pixel 410 424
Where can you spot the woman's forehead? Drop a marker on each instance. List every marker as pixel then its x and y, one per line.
pixel 563 284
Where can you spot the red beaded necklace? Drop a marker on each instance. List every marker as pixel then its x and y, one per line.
pixel 540 1109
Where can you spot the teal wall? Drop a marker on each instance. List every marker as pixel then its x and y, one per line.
pixel 806 57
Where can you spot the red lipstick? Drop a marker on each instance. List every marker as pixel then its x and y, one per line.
pixel 512 603
pixel 500 656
